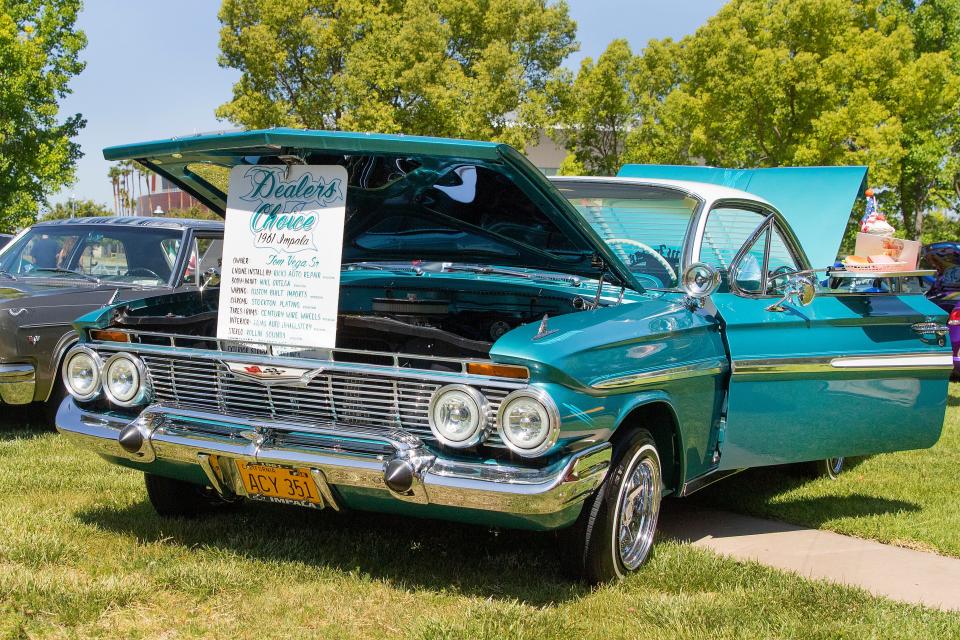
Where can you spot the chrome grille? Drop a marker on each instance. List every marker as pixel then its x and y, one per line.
pixel 331 397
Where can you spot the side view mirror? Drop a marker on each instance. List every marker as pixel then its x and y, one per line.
pixel 210 278
pixel 699 280
pixel 797 291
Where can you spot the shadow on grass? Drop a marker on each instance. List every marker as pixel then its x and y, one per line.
pixel 952 399
pixel 755 490
pixel 25 421
pixel 408 552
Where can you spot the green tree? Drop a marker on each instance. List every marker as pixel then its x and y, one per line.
pixel 599 110
pixel 76 209
pixel 39 45
pixel 809 82
pixel 464 68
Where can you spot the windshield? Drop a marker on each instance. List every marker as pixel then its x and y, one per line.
pixel 645 225
pixel 140 256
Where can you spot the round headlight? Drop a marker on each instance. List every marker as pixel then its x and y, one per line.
pixel 123 380
pixel 458 416
pixel 529 422
pixel 81 373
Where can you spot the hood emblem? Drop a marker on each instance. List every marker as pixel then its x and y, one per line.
pixel 272 374
pixel 544 330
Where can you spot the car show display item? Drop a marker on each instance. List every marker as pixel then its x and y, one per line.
pixel 509 350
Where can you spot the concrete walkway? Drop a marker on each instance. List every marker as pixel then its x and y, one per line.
pixel 900 574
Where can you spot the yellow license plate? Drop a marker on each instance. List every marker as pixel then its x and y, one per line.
pixel 285 483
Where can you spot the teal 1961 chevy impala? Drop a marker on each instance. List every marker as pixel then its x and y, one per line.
pixel 516 351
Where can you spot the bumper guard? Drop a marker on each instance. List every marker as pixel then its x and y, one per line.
pixel 17 383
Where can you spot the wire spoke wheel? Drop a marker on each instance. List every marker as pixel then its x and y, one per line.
pixel 637 511
pixel 835 465
pixel 613 535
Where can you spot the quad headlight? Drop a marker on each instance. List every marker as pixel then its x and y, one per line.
pixel 81 373
pixel 458 416
pixel 125 380
pixel 529 422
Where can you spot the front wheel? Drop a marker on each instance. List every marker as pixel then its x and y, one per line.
pixel 614 533
pixel 48 410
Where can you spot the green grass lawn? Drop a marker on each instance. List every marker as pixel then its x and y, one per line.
pixel 908 498
pixel 82 554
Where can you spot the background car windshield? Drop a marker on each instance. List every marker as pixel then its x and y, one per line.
pixel 644 225
pixel 141 256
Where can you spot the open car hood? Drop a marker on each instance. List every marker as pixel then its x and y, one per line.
pixel 816 201
pixel 409 198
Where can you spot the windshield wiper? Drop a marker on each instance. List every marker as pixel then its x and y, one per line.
pixel 497 271
pixel 486 270
pixel 72 272
pixel 7 274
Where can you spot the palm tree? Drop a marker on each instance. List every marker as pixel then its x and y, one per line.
pixel 114 175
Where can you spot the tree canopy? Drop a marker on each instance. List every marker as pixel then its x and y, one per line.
pixel 39 45
pixel 797 82
pixel 462 68
pixel 76 209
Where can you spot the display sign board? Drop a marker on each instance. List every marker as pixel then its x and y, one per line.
pixel 283 239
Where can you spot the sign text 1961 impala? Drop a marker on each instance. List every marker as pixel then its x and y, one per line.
pixel 504 349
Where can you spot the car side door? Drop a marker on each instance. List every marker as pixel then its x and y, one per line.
pixel 851 373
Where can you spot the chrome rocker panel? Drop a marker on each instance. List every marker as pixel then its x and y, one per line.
pixel 170 434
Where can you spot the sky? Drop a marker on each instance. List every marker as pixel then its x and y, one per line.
pixel 152 73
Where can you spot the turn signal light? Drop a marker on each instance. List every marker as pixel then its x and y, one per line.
pixel 106 335
pixel 497 370
pixel 954 318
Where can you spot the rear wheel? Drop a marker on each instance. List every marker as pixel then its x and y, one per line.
pixel 177 499
pixel 827 468
pixel 614 533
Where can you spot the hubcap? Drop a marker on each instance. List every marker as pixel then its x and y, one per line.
pixel 638 509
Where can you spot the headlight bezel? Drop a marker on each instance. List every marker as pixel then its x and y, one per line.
pixel 97 372
pixel 553 421
pixel 142 393
pixel 483 427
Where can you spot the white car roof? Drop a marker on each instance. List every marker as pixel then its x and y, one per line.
pixel 704 190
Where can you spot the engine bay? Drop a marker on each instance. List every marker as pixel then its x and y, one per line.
pixel 425 316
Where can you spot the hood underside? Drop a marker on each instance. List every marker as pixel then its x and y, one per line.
pixel 816 201
pixel 409 198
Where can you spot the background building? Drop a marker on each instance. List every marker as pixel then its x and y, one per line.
pixel 162 197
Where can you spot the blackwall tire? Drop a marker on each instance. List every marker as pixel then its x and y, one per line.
pixel 614 534
pixel 48 409
pixel 177 499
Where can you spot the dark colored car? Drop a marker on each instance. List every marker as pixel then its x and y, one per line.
pixel 56 271
pixel 945 287
pixel 5 239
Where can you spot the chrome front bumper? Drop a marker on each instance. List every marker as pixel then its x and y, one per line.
pixel 17 383
pixel 338 456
